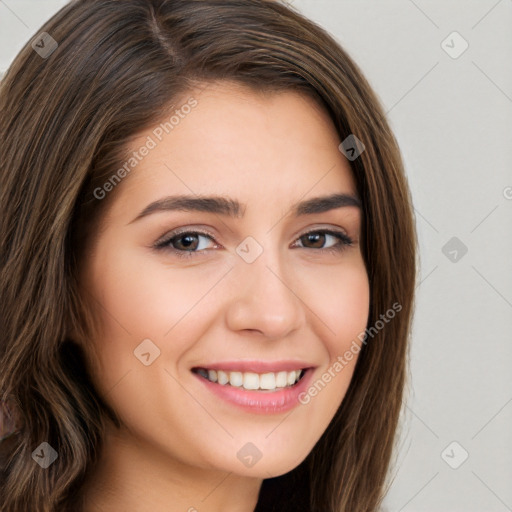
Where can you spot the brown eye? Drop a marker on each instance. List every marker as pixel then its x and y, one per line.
pixel 188 242
pixel 317 239
pixel 185 243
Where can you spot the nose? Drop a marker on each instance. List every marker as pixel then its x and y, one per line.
pixel 264 299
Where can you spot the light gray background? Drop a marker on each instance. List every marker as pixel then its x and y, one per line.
pixel 453 120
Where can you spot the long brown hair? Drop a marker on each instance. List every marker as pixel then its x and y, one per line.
pixel 65 120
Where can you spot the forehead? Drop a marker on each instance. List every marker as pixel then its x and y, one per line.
pixel 242 143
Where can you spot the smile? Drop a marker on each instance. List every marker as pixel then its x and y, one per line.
pixel 269 381
pixel 256 386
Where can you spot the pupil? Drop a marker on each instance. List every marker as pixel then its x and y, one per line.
pixel 189 240
pixel 317 236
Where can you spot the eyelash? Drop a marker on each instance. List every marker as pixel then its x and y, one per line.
pixel 163 245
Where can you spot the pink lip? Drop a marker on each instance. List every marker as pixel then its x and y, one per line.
pixel 257 366
pixel 261 402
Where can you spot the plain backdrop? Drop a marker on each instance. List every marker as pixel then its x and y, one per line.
pixel 442 70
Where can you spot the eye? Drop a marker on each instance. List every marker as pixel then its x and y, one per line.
pixel 185 243
pixel 320 237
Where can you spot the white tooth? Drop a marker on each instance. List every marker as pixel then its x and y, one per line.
pixel 290 378
pixel 251 380
pixel 268 381
pixel 281 380
pixel 212 375
pixel 235 379
pixel 222 377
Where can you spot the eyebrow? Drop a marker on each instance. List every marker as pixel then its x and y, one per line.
pixel 232 208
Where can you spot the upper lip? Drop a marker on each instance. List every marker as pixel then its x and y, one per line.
pixel 256 366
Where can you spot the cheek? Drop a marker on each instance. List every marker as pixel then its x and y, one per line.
pixel 342 304
pixel 140 298
pixel 146 297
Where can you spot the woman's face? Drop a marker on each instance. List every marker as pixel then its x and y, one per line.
pixel 249 286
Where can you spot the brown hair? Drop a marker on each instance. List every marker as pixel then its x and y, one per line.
pixel 65 121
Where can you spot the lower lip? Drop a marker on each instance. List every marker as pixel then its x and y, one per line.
pixel 260 402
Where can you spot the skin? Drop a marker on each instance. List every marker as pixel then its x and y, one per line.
pixel 178 448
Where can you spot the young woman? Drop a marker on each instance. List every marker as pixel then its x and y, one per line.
pixel 207 265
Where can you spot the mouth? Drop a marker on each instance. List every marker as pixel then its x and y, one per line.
pixel 267 382
pixel 257 387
